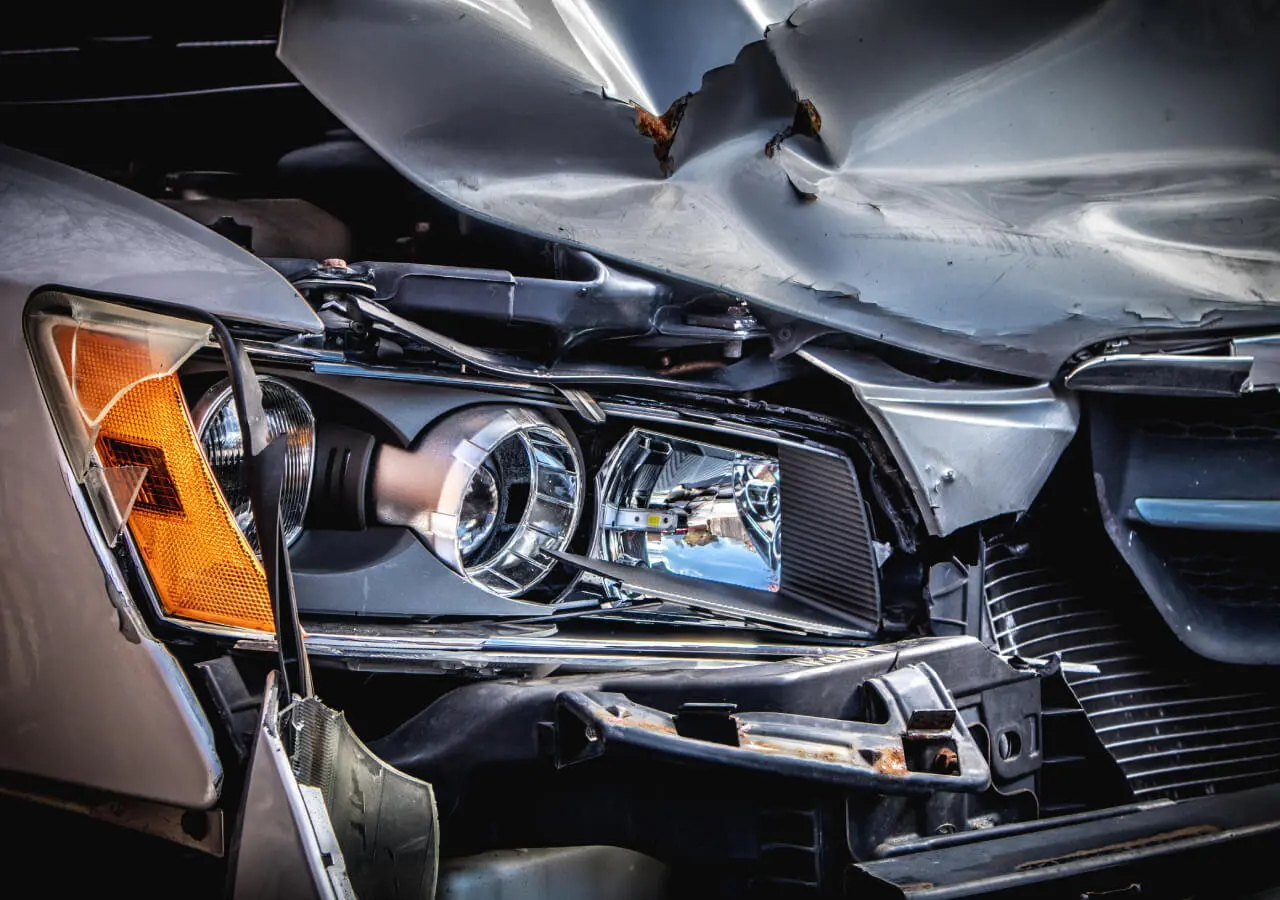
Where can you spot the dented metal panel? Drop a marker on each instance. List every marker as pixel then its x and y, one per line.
pixel 993 182
pixel 969 451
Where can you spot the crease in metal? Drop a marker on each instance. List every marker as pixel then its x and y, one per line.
pixel 969 452
pixel 995 185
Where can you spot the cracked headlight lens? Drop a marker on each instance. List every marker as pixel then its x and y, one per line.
pixel 693 509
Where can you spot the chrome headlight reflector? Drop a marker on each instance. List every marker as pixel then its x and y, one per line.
pixel 218 427
pixel 693 509
pixel 489 489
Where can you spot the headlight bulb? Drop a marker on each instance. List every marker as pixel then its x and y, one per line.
pixel 693 509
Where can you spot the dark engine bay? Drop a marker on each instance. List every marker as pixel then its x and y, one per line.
pixel 645 593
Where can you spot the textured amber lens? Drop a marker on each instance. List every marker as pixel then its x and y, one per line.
pixel 200 563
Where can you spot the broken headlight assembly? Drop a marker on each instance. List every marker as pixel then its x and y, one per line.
pixel 442 500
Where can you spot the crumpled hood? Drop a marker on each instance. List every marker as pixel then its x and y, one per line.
pixel 995 182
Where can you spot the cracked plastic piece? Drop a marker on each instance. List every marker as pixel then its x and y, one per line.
pixel 112 493
pixel 922 746
pixel 384 820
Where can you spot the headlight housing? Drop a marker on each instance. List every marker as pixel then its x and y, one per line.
pixel 693 509
pixel 495 491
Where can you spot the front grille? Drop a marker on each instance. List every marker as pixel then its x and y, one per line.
pixel 1243 419
pixel 1178 727
pixel 1234 570
pixel 1218 591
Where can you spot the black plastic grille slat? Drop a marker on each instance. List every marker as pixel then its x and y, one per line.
pixel 826 541
pixel 1240 570
pixel 1176 729
pixel 1234 422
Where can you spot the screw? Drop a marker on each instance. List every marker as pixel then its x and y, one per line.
pixel 948 475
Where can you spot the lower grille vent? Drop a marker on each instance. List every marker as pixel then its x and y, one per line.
pixel 1177 726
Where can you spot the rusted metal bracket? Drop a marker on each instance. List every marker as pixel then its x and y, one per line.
pixel 921 744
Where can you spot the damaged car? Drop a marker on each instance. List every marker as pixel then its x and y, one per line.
pixel 586 449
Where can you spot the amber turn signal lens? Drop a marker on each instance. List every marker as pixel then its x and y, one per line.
pixel 109 375
pixel 200 563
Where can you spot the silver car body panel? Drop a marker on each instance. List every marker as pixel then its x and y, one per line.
pixel 991 182
pixel 969 452
pixel 87 695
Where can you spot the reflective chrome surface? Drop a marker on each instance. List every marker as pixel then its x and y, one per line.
pixel 693 509
pixel 288 414
pixel 1163 374
pixel 399 648
pixel 489 489
pixel 969 451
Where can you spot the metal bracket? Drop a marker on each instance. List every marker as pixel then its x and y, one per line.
pixel 922 746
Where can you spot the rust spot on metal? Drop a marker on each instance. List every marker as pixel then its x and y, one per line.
pixel 757 746
pixel 662 130
pixel 1137 844
pixel 823 755
pixel 692 366
pixel 890 761
pixel 806 121
pixel 813 121
pixel 946 762
pixel 826 755
pixel 647 725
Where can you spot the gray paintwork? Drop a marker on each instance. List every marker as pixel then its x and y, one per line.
pixel 65 227
pixel 994 181
pixel 969 451
pixel 87 695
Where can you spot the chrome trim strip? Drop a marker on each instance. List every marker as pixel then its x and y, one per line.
pixel 1163 375
pixel 532 653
